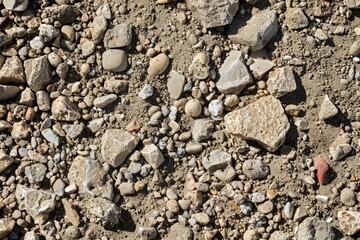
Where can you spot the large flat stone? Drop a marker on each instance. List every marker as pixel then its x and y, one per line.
pixel 263 121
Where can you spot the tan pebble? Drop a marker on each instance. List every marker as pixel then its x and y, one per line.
pixel 133 126
pixel 193 108
pixel 158 65
pixel 139 185
pixel 231 101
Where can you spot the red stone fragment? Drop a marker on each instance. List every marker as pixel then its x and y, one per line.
pixel 322 169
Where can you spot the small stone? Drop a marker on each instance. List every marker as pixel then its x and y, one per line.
pixel 179 232
pixel 257 197
pixel 277 235
pixel 43 100
pixel 27 97
pixel 104 101
pixel 251 234
pixel 289 210
pixel 231 101
pixel 16 5
pixel 234 75
pixel 199 67
pixel 158 65
pixel 8 92
pixel 300 214
pixel 296 19
pixel 5 162
pixel 38 73
pixel 88 48
pixel 6 226
pixel 64 110
pixel 348 197
pixel 35 172
pixel 51 136
pixel 12 72
pixel 320 34
pixel 47 32
pixel 260 67
pixel 219 164
pixel 352 4
pixel 281 81
pixel 216 108
pixel 31 236
pixel 193 108
pixel 152 155
pixel 193 148
pixel 107 212
pixel 116 145
pixel 340 151
pixel 119 36
pixel 315 228
pixel 114 60
pixel 70 213
pixel 266 207
pixel 95 124
pixel 68 32
pixel 127 188
pixel 59 187
pixel 256 32
pixel 104 10
pixel 263 121
pixel 73 131
pixel 202 129
pixel 21 130
pixel 115 86
pixel 175 84
pixel 98 28
pixel 148 233
pixel 146 92
pixel 328 109
pixel 255 169
pixel 202 218
pixel 349 222
pixel 322 169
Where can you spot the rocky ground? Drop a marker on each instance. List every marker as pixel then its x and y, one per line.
pixel 193 119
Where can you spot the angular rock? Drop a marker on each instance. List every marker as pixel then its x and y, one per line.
pixel 16 5
pixel 6 226
pixel 12 72
pixel 340 151
pixel 234 75
pixel 328 109
pixel 38 73
pixel 51 136
pixel 352 4
pixel 21 130
pixel 7 92
pixel 256 32
pixel 175 84
pixel 315 228
pixel 214 13
pixel 281 81
pixel 70 213
pixel 219 164
pixel 355 48
pixel 202 129
pixel 90 178
pixel 277 235
pixel 255 169
pixel 260 67
pixel 65 14
pixel 199 67
pixel 98 28
pixel 119 36
pixel 107 212
pixel 64 110
pixel 35 173
pixel 152 155
pixel 116 145
pixel 43 100
pixel 263 121
pixel 296 19
pixel 5 40
pixel 104 10
pixel 114 60
pixel 5 162
pixel 179 232
pixel 27 97
pixel 349 222
pixel 74 130
pixel 37 203
pixel 148 233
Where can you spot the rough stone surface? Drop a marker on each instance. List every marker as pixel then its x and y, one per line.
pixel 349 222
pixel 277 235
pixel 219 164
pixel 281 81
pixel 12 72
pixel 263 121
pixel 7 92
pixel 106 211
pixel 315 228
pixel 70 212
pixel 179 232
pixel 255 169
pixel 158 64
pixel 152 155
pixel 64 110
pixel 5 162
pixel 38 73
pixel 116 145
pixel 260 67
pixel 234 75
pixel 215 13
pixel 295 19
pixel 103 101
pixel 37 203
pixel 119 36
pixel 256 32
pixel 348 197
pixel 6 226
pixel 16 5
pixel 352 4
pixel 98 28
pixel 90 178
pixel 328 109
pixel 35 172
pixel 114 60
pixel 202 129
pixel 175 84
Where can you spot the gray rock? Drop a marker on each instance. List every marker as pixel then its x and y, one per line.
pixel 115 85
pixel 88 48
pixel 202 218
pixel 148 233
pixel 352 4
pixel 234 75
pixel 38 73
pixel 355 48
pixel 104 10
pixel 214 14
pixel 95 124
pixel 5 40
pixel 104 101
pixel 315 228
pixel 37 157
pixel 179 232
pixel 296 19
pixel 37 203
pixel 348 197
pixel 8 92
pixel 126 188
pixel 219 164
pixel 35 173
pixel 175 84
pixel 255 169
pixel 258 197
pixel 289 210
pixel 152 155
pixel 21 130
pixel 65 14
pixel 12 72
pixel 260 67
pixel 64 110
pixel 256 32
pixel 5 162
pixel 51 136
pixel 263 121
pixel 47 32
pixel 16 5
pixel 281 81
pixel 59 187
pixel 107 212
pixel 98 28
pixel 6 226
pixel 119 36
pixel 328 109
pixel 114 60
pixel 146 92
pixel 116 145
pixel 74 130
pixel 43 100
pixel 349 222
pixel 202 129
pixel 90 178
pixel 278 235
pixel 27 97
pixel 16 32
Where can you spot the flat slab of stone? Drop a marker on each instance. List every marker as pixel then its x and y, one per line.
pixel 119 36
pixel 256 32
pixel 214 13
pixel 328 109
pixel 116 145
pixel 175 84
pixel 234 75
pixel 263 121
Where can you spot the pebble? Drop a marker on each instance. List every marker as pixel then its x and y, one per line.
pixel 255 169
pixel 175 84
pixel 104 101
pixel 328 109
pixel 158 65
pixel 114 60
pixel 348 197
pixel 193 108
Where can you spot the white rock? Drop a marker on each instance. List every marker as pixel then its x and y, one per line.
pixel 263 121
pixel 281 81
pixel 152 155
pixel 146 92
pixel 328 109
pixel 119 36
pixel 216 108
pixel 349 222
